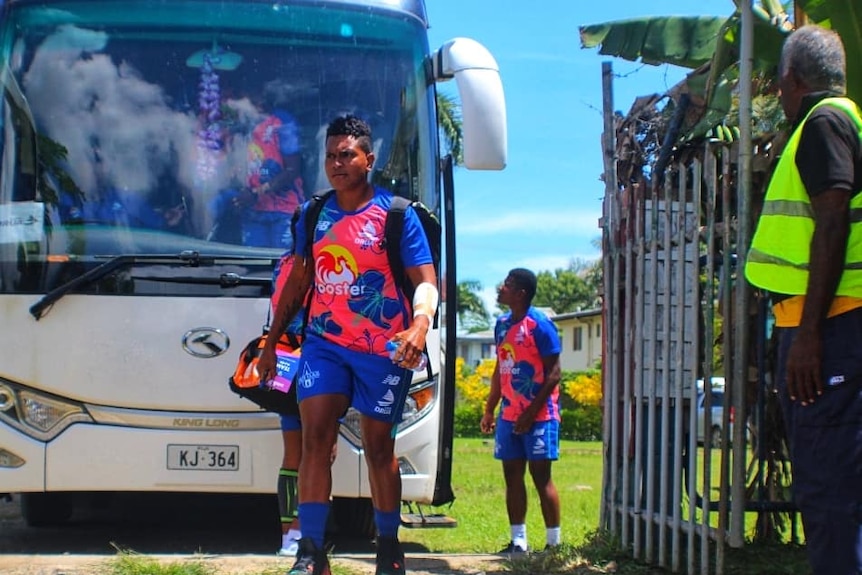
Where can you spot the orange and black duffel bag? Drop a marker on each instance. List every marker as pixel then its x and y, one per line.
pixel 277 395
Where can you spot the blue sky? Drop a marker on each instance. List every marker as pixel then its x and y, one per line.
pixel 543 209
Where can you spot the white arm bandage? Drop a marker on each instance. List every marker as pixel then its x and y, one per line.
pixel 425 300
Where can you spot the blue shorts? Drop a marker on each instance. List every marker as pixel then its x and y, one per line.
pixel 290 423
pixel 375 386
pixel 541 442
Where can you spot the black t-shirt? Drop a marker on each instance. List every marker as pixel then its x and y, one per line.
pixel 829 156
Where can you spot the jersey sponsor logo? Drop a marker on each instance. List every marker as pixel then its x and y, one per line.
pixel 308 377
pixel 323 225
pixel 384 404
pixel 336 272
pixel 368 236
pixel 510 369
pixel 507 360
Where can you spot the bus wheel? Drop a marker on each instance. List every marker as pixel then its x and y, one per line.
pixel 354 517
pixel 45 509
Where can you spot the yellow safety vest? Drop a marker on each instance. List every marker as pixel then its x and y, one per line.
pixel 781 247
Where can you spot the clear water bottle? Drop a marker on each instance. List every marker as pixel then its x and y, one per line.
pixel 392 347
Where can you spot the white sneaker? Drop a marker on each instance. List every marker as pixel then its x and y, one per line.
pixel 291 550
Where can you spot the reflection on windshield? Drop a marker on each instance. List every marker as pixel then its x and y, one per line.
pixel 216 142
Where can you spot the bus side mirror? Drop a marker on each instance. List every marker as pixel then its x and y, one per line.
pixel 483 107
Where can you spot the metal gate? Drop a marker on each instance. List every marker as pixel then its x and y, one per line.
pixel 687 395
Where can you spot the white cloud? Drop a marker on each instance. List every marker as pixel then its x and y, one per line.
pixel 489 297
pixel 95 102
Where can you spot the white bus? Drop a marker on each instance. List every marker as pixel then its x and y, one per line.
pixel 127 289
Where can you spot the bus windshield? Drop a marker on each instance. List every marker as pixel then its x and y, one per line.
pixel 147 128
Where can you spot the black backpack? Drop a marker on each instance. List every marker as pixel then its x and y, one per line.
pixel 392 231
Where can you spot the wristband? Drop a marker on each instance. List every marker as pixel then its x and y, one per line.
pixel 425 300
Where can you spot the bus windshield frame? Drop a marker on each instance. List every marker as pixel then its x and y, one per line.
pixel 137 129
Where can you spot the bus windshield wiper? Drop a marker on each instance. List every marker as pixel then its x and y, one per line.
pixel 187 257
pixel 225 280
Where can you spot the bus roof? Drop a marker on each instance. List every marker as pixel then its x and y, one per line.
pixel 414 8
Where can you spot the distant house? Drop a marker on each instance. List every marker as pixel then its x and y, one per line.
pixel 476 346
pixel 580 338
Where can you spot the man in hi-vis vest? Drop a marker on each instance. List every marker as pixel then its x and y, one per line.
pixel 807 251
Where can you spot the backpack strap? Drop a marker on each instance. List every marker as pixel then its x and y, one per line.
pixel 312 214
pixel 393 229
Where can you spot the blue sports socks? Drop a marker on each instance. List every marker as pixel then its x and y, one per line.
pixel 313 518
pixel 387 522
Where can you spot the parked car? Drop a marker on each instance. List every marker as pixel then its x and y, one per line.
pixel 715 435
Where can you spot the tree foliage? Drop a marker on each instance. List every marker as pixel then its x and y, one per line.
pixel 567 290
pixel 450 126
pixel 711 47
pixel 471 310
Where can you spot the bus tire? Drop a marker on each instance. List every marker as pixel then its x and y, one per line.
pixel 45 509
pixel 354 516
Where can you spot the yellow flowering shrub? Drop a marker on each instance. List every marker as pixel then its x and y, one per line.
pixel 473 385
pixel 585 388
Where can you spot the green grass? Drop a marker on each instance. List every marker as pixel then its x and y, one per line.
pixel 480 509
pixel 127 563
pixel 480 505
pixel 483 526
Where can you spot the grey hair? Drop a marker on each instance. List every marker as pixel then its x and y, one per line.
pixel 816 57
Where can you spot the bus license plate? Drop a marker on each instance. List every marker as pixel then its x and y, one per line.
pixel 203 457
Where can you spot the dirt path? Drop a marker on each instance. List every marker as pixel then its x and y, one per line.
pixel 417 564
pixel 237 538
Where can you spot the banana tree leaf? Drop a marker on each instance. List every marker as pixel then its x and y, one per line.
pixel 683 41
pixel 691 41
pixel 716 112
pixel 845 17
pixel 817 10
pixel 766 49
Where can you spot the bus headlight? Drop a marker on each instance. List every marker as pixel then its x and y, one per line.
pixel 44 413
pixel 7 399
pixel 420 400
pixel 9 459
pixel 39 415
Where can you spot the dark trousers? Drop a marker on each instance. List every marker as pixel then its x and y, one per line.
pixel 826 448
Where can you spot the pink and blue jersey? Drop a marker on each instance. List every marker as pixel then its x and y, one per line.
pixel 355 302
pixel 272 139
pixel 520 348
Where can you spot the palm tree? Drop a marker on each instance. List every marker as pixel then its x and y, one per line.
pixel 471 310
pixel 449 122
